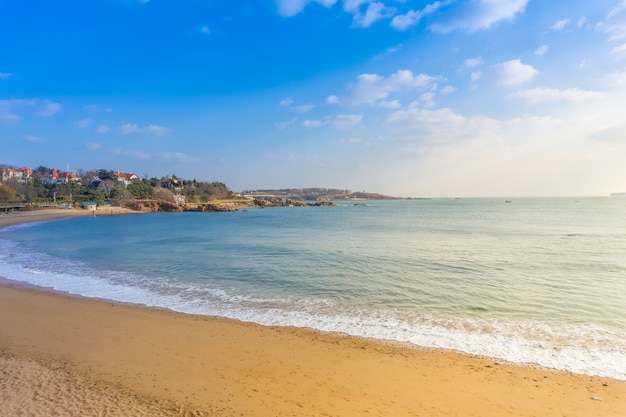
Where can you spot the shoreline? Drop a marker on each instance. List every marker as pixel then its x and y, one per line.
pixel 183 364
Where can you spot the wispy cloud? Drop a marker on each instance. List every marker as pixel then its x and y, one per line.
pixel 314 123
pixel 367 12
pixel 513 72
pixel 413 17
pixel 33 138
pixel 92 108
pixel 301 108
pixel 440 126
pixel 288 8
pixel 619 50
pixel 144 156
pixel 375 88
pixel 93 146
pixel 559 25
pixel 472 62
pixel 10 107
pixel 103 128
pixel 83 123
pixel 542 50
pixel 617 77
pixel 49 108
pixel 332 99
pixel 284 125
pixel 177 156
pixel 551 95
pixel 475 15
pixel 615 22
pixel 345 121
pixel 5 75
pixel 156 130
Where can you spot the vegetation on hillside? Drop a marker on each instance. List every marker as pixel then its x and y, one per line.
pixel 104 185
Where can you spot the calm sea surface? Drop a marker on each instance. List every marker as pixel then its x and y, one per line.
pixel 531 281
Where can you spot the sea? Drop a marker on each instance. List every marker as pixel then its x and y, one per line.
pixel 528 280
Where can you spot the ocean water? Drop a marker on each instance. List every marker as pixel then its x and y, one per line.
pixel 534 280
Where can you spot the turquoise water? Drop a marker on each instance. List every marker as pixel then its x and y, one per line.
pixel 538 281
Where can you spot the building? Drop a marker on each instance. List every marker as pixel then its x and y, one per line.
pixel 126 178
pixel 22 175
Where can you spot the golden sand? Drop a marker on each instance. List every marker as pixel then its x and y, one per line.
pixel 71 356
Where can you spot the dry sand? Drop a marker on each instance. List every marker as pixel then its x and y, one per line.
pixel 71 356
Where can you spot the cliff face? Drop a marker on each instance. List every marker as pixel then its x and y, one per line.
pixel 153 206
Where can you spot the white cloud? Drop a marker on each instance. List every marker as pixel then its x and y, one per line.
pixel 33 138
pixel 550 95
pixel 374 11
pixel 478 14
pixel 156 130
pixel 542 50
pixel 428 98
pixel 332 99
pixel 512 72
pixel 448 89
pixel 92 108
pixel 412 17
pixel 352 141
pixel 44 108
pixel 5 75
pixel 177 156
pixel 619 50
pixel 393 104
pixel 48 108
pixel 581 22
pixel 303 108
pixel 559 25
pixel 373 88
pixel 144 156
pixel 615 22
pixel 472 62
pixel 129 128
pixel 440 126
pixel 284 125
pixel 475 76
pixel 93 146
pixel 205 30
pixel 103 129
pixel 617 77
pixel 288 8
pixel 534 120
pixel 345 121
pixel 314 123
pixel 83 123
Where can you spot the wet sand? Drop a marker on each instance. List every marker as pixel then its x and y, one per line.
pixel 63 355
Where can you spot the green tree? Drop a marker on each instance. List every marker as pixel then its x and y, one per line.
pixel 141 189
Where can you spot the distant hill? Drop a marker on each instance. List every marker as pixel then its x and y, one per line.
pixel 318 194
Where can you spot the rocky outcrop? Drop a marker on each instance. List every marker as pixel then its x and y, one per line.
pixel 287 202
pixel 219 206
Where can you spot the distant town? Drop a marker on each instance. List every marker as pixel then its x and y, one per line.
pixel 44 186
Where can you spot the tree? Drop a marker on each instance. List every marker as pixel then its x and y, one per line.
pixel 8 194
pixel 141 189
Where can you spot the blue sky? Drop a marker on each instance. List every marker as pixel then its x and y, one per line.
pixel 408 98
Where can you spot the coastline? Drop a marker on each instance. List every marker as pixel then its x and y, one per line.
pixel 181 364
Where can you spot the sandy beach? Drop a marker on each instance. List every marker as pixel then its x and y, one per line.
pixel 71 356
